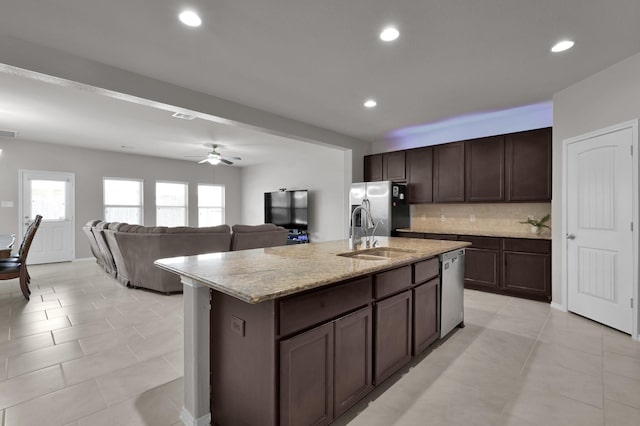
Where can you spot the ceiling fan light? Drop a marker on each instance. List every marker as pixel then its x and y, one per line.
pixel 214 161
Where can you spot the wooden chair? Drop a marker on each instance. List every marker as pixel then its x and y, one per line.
pixel 17 267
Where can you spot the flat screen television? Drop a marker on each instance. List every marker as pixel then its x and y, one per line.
pixel 286 208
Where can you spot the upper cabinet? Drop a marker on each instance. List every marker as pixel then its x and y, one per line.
pixel 393 166
pixel 448 173
pixel 387 166
pixel 511 167
pixel 420 175
pixel 528 165
pixel 484 163
pixel 373 168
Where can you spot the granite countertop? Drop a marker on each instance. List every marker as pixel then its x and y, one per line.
pixel 479 233
pixel 259 275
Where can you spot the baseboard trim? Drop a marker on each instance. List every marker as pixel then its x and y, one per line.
pixel 558 306
pixel 188 420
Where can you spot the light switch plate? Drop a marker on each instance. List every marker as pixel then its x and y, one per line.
pixel 237 325
pixel 6 203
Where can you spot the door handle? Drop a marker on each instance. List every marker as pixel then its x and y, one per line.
pixel 571 237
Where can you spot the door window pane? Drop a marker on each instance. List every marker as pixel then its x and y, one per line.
pixel 123 200
pixel 210 205
pixel 48 199
pixel 171 204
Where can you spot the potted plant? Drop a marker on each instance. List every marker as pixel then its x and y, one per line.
pixel 537 225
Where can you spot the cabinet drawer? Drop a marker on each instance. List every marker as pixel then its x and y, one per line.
pixel 487 243
pixel 392 281
pixel 527 246
pixel 425 270
pixel 303 311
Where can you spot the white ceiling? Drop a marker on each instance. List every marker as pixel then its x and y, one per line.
pixel 45 112
pixel 316 61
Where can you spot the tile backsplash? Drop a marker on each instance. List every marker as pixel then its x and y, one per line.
pixel 457 218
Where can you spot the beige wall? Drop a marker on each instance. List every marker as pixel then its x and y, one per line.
pixel 90 166
pixel 325 172
pixel 472 217
pixel 609 97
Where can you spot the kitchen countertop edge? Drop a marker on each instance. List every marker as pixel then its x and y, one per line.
pixel 259 275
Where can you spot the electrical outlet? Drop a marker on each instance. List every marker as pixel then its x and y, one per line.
pixel 530 217
pixel 472 218
pixel 423 218
pixel 237 325
pixel 442 218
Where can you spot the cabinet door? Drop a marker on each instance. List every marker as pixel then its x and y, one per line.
pixel 353 349
pixel 306 378
pixel 420 175
pixel 393 166
pixel 448 172
pixel 481 269
pixel 484 162
pixel 373 168
pixel 393 335
pixel 527 274
pixel 426 315
pixel 528 165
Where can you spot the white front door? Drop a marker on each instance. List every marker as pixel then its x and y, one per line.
pixel 52 195
pixel 599 214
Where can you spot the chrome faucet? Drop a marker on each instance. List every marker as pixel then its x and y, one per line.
pixel 367 224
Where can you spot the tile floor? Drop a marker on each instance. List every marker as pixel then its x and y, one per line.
pixel 87 351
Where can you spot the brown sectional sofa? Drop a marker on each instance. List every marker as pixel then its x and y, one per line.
pixel 128 251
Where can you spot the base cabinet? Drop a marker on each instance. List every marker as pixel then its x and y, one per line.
pixel 527 273
pixel 306 378
pixel 307 358
pixel 353 349
pixel 426 315
pixel 481 269
pixel 393 334
pixel 326 370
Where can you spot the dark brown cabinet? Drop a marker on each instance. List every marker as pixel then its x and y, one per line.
pixel 393 320
pixel 426 315
pixel 393 166
pixel 373 168
pixel 306 378
pixel 388 166
pixel 528 165
pixel 448 172
pixel 513 167
pixel 482 263
pixel 420 175
pixel 352 364
pixel 526 267
pixel 326 370
pixel 484 163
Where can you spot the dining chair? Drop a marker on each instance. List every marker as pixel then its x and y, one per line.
pixel 17 267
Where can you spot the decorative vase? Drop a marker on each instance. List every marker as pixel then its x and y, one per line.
pixel 535 229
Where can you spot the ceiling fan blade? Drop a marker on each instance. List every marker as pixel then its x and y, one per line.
pixel 206 160
pixel 234 158
pixel 222 160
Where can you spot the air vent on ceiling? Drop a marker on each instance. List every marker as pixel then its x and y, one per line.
pixel 183 116
pixel 8 134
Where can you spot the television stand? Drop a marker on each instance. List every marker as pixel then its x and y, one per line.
pixel 297 236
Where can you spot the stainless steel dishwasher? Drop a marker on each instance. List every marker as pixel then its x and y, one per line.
pixel 452 285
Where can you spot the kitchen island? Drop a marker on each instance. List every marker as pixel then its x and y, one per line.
pixel 298 334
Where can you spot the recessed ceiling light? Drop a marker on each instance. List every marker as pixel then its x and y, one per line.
pixel 190 18
pixel 370 103
pixel 389 34
pixel 561 46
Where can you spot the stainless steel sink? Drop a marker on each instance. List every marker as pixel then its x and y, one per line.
pixel 378 253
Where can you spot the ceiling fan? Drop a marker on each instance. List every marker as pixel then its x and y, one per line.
pixel 215 158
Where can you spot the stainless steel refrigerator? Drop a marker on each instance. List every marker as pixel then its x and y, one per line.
pixel 388 202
